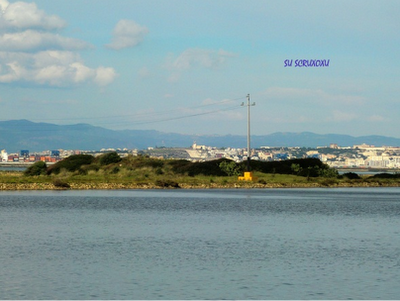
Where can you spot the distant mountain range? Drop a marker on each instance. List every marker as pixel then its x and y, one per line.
pixel 16 135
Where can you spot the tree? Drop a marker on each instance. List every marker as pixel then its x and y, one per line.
pixel 36 169
pixel 109 158
pixel 72 163
pixel 329 173
pixel 296 168
pixel 230 168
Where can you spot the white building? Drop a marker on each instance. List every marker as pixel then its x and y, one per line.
pixel 4 156
pixel 378 161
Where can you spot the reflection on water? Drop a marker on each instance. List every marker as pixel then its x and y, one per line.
pixel 12 168
pixel 200 244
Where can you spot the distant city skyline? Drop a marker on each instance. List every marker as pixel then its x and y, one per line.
pixel 186 66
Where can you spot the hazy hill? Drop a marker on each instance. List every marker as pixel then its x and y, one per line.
pixel 23 134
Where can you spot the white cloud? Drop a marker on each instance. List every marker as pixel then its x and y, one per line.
pixel 32 40
pixel 127 33
pixel 3 5
pixel 82 72
pixel 196 58
pixel 105 76
pixel 54 68
pixel 23 15
pixel 31 52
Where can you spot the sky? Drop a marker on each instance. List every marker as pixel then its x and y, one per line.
pixel 186 66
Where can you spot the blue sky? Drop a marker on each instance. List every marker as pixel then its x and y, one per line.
pixel 186 66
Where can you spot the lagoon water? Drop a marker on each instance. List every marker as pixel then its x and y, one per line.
pixel 201 244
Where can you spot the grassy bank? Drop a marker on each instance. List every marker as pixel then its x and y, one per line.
pixel 109 171
pixel 148 178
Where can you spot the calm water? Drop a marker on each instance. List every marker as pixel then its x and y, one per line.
pixel 203 244
pixel 12 168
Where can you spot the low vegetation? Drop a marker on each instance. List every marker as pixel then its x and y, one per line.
pixel 36 169
pixel 110 171
pixel 73 163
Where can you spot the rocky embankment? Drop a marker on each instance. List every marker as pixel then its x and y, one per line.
pixel 246 185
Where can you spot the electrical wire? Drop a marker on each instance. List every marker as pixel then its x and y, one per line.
pixel 184 116
pixel 152 115
pixel 149 114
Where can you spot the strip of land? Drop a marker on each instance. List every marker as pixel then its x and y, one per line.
pixel 109 171
pixel 98 185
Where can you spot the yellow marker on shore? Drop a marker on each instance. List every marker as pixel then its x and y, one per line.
pixel 248 176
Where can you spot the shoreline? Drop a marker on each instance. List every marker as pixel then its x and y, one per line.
pixel 115 186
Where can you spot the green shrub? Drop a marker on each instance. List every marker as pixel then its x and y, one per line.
pixel 60 183
pixel 307 167
pixel 167 184
pixel 351 176
pixel 36 169
pixel 159 171
pixel 329 172
pixel 296 168
pixel 208 168
pixel 115 170
pixel 72 163
pixel 109 158
pixel 230 168
pixel 385 176
pixel 142 161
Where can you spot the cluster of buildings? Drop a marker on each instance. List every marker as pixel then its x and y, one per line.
pixel 357 156
pixel 24 156
pixel 365 156
pixel 51 156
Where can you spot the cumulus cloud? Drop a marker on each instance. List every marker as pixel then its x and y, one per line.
pixel 32 52
pixel 127 33
pixel 196 58
pixel 22 15
pixel 54 68
pixel 31 40
pixel 104 76
pixel 3 5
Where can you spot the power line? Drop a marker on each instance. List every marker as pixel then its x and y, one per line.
pixel 188 116
pixel 152 115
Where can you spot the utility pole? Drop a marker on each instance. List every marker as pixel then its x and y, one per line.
pixel 248 137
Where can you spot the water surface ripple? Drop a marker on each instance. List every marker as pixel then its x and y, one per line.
pixel 201 244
